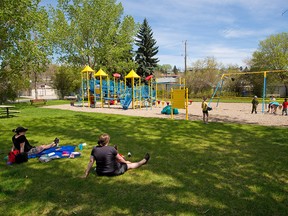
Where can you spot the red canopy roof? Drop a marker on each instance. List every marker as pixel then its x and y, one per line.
pixel 149 77
pixel 117 75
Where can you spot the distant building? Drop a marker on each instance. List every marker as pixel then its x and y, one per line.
pixel 43 91
pixel 276 90
pixel 169 81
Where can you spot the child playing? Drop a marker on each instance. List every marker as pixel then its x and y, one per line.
pixel 204 107
pixel 254 104
pixel 284 107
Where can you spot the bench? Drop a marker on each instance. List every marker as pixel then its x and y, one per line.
pixel 33 101
pixel 10 112
pixel 70 98
pixel 14 111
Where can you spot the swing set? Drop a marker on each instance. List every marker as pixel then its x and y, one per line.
pixel 225 75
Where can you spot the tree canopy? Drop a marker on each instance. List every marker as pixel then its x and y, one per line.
pixel 203 76
pixel 91 32
pixel 272 54
pixel 23 47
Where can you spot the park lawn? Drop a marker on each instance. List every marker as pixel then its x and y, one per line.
pixel 195 169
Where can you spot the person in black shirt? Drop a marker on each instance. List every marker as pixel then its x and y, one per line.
pixel 21 143
pixel 108 161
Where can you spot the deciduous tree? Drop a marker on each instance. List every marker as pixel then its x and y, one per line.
pixel 272 54
pixel 66 80
pixel 94 33
pixel 204 75
pixel 23 47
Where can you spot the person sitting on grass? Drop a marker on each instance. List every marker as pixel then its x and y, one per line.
pixel 21 143
pixel 108 161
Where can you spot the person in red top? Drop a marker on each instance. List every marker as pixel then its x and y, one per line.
pixel 284 107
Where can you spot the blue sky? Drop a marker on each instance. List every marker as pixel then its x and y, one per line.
pixel 229 30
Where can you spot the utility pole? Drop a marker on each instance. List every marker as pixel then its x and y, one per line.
pixel 185 59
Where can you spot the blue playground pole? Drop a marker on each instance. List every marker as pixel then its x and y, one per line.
pixel 264 93
pixel 216 89
pixel 220 92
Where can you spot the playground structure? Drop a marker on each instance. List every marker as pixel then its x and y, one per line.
pixel 164 87
pixel 98 88
pixel 86 75
pixel 179 99
pixel 221 82
pixel 178 96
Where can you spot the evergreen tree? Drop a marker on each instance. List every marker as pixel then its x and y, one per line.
pixel 146 51
pixel 175 70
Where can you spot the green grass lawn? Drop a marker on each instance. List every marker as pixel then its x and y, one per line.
pixel 195 169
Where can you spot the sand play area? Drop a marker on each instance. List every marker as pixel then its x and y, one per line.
pixel 225 112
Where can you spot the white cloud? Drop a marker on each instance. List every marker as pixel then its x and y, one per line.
pixel 228 53
pixel 176 60
pixel 221 53
pixel 229 30
pixel 240 33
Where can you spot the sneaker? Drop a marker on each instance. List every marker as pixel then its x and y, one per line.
pixel 56 141
pixel 147 157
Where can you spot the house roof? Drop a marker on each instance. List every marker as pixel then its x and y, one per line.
pixel 166 80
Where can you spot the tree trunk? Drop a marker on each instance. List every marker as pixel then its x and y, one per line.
pixel 35 85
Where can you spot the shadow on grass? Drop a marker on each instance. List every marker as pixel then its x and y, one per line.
pixel 195 169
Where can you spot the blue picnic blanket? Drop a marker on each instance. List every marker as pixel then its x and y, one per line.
pixel 61 152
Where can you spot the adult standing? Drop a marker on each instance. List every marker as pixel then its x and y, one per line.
pixel 108 161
